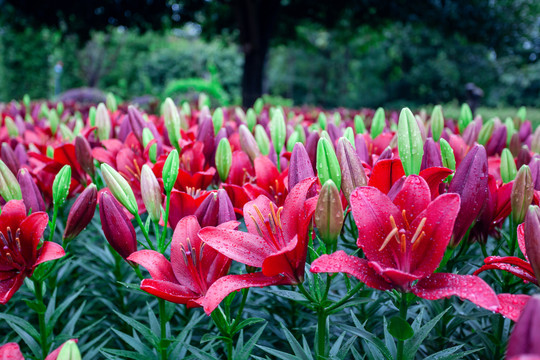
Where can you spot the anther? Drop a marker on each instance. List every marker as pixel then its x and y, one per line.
pixel 404 214
pixel 417 243
pixel 403 243
pixel 388 238
pixel 418 230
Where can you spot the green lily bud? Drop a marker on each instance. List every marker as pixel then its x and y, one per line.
pixel 170 170
pixel 120 188
pixel 327 163
pixel 508 166
pixel 535 141
pixel 60 108
pixel 410 145
pixel 44 110
pixel 349 135
pixel 186 109
pixel 28 118
pixel 486 132
pixel 69 351
pixel 258 106
pixel 240 114
pixel 337 118
pixel 293 139
pixel 204 100
pixel 111 102
pixel 26 101
pixel 321 120
pixel 151 193
pixel 329 214
pixel 171 118
pixel 79 125
pixel 324 134
pixel 447 154
pixel 12 129
pixel 103 122
pixel 50 151
pixel 147 136
pixel 92 116
pixel 66 132
pixel 522 113
pixel 262 140
pixel 9 186
pixel 510 129
pixel 251 119
pixel 223 158
pixel 522 194
pixel 437 123
pixel 299 129
pixel 465 117
pixel 54 121
pixel 217 120
pixel 359 125
pixel 378 123
pixel 278 131
pixel 61 184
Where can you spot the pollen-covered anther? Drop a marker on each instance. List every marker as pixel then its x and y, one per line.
pixel 418 230
pixel 388 238
pixel 404 215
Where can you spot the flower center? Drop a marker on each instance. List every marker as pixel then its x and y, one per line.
pixel 10 248
pixel 194 264
pixel 272 223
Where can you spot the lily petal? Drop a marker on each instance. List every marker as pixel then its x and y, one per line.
pixel 512 305
pixel 434 176
pixel 49 251
pixel 157 265
pixel 413 197
pixel 9 287
pixel 185 237
pixel 385 173
pixel 11 351
pixel 514 270
pixel 32 229
pixel 170 291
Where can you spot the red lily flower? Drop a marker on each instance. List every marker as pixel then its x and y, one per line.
pixel 404 240
pixel 12 351
pixel 192 269
pixel 276 241
pixel 19 254
pixel 268 181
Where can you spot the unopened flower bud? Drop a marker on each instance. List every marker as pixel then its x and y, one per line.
pixel 10 159
pixel 532 238
pixel 61 184
pixel 120 188
pixel 510 130
pixel 103 122
pixel 118 229
pixel 215 209
pixel 329 214
pixel 251 119
pixel 170 170
pixel 263 142
pixel 508 166
pixel 486 132
pixel 497 142
pixel 465 117
pixel 217 120
pixel 437 123
pixel 172 121
pixel 11 127
pixel 524 342
pixel 9 187
pixel 258 105
pixel 293 139
pixel 359 125
pixel 349 135
pixel 515 144
pixel 278 131
pixel 377 123
pixel 151 193
pixel 92 116
pixel 352 171
pixel 111 102
pixel 83 152
pixel 69 351
pixel 327 163
pixel 81 212
pixel 33 200
pixel 248 143
pixel 300 166
pixel 432 155
pixel 54 120
pixel 223 158
pixel 321 120
pixel 147 137
pixel 523 157
pixel 136 121
pixel 410 145
pixel 522 194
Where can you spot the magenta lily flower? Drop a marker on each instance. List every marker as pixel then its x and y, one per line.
pixel 404 239
pixel 276 242
pixel 192 269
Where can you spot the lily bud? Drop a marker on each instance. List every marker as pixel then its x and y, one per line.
pixel 311 147
pixel 12 129
pixel 524 342
pixel 437 123
pixel 118 230
pixel 532 238
pixel 300 166
pixel 278 131
pixel 321 120
pixel 471 183
pixel 223 158
pixel 217 120
pixel 207 137
pixel 61 184
pixel 523 157
pixel 359 125
pixel 352 171
pixel 377 123
pixel 486 132
pixel 349 135
pixel 92 116
pixel 534 166
pixel 510 130
pixel 54 120
pixel 470 135
pixel 248 143
pixel 258 105
pixel 410 145
pixel 147 136
pixel 361 148
pixel 497 142
pixel 81 212
pixel 69 351
pixel 432 155
pixel 535 141
pixel 186 110
pixel 120 188
pixel 329 214
pixel 10 159
pixel 515 145
pixel 263 142
pixel 337 118
pixel 83 152
pixel 171 118
pixel 111 102
pixel 508 166
pixel 251 119
pixel 465 117
pixel 151 193
pixel 9 187
pixel 136 121
pixel 215 209
pixel 293 139
pixel 103 122
pixel 170 171
pixel 522 194
pixel 327 163
pixel 30 193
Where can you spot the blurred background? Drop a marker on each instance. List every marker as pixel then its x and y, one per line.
pixel 324 53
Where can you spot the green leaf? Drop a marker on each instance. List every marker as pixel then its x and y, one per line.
pixel 244 352
pixel 60 310
pixel 125 354
pixel 413 344
pixel 288 294
pixel 135 343
pixel 142 329
pixel 400 328
pixel 361 332
pixel 27 337
pixel 211 337
pixel 37 306
pixel 245 323
pixel 295 345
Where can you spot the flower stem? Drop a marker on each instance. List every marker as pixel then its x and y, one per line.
pixel 403 314
pixel 346 297
pixel 41 317
pixel 166 218
pixel 143 229
pixel 321 333
pixel 53 223
pixel 241 308
pixel 163 323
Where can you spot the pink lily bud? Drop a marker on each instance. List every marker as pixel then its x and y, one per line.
pixel 432 155
pixel 10 159
pixel 206 136
pixel 248 143
pixel 515 144
pixel 534 166
pixel 32 198
pixel 352 171
pixel 151 193
pixel 83 152
pixel 522 194
pixel 311 147
pixel 470 182
pixel 21 154
pixel 532 238
pixel 116 226
pixel 215 209
pixel 497 142
pixel 361 148
pixel 525 130
pixel 300 167
pixel 470 135
pixel 523 157
pixel 136 121
pixel 524 342
pixel 81 212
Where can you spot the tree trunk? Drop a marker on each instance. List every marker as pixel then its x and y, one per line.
pixel 256 20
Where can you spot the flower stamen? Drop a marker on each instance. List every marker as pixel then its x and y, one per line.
pixel 388 238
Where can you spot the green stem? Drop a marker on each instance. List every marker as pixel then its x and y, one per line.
pixel 403 314
pixel 163 323
pixel 166 218
pixel 41 316
pixel 306 294
pixel 241 308
pixel 346 297
pixel 159 244
pixel 141 225
pixel 53 223
pixel 321 333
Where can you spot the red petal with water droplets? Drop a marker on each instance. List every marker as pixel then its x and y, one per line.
pixel 512 305
pixel 49 251
pixel 472 288
pixel 227 284
pixel 413 197
pixel 521 240
pixel 265 171
pixel 243 247
pixel 186 231
pixel 32 229
pixel 13 213
pixel 340 262
pixel 11 351
pixel 280 263
pixel 514 270
pixel 157 265
pixel 252 217
pixel 385 173
pixel 434 176
pixel 371 210
pixel 394 276
pixel 170 291
pixel 183 204
pixel 9 287
pixel 238 196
